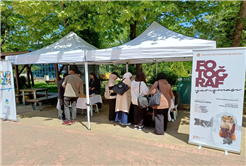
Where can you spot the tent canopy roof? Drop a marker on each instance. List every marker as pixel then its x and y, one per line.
pixel 69 49
pixel 156 43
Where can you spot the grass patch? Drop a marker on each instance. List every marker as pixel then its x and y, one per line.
pixel 42 84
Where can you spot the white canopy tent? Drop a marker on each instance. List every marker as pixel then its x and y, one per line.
pixel 70 49
pixel 155 44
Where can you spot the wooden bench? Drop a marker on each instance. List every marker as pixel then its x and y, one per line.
pixel 20 96
pixel 41 100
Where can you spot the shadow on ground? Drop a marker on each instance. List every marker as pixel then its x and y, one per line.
pixel 178 129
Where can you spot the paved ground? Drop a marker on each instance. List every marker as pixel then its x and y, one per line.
pixel 40 139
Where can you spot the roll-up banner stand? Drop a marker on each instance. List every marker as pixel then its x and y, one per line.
pixel 7 92
pixel 217 96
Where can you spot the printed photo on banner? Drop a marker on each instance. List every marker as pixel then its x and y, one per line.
pixel 5 78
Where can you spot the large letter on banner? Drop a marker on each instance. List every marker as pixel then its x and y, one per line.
pixel 7 92
pixel 217 97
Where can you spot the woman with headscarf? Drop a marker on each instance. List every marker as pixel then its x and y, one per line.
pixel 123 102
pixel 161 111
pixel 111 95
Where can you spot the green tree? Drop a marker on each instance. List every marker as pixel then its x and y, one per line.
pixel 221 24
pixel 177 68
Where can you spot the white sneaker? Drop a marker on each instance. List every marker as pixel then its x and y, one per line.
pixel 141 127
pixel 125 124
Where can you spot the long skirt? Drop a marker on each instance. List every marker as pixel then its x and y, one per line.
pixel 161 119
pixel 121 117
pixel 139 115
pixel 112 112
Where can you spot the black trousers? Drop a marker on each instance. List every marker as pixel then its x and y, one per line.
pixel 111 111
pixel 131 114
pixel 161 119
pixel 139 115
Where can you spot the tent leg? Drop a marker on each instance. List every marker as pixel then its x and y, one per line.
pixel 126 67
pixel 87 94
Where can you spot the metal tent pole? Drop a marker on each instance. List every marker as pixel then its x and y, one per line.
pixel 126 67
pixel 87 94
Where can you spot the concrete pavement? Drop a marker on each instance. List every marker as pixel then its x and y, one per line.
pixel 40 139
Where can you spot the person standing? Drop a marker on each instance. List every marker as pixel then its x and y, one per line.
pixel 73 84
pixel 123 102
pixel 71 72
pixel 139 87
pixel 161 111
pixel 61 115
pixel 111 95
pixel 94 83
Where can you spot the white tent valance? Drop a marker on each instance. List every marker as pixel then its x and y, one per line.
pixel 70 49
pixel 155 44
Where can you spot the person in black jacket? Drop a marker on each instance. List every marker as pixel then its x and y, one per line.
pixel 61 89
pixel 95 85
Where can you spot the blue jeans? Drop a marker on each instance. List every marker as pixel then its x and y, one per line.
pixel 61 109
pixel 70 101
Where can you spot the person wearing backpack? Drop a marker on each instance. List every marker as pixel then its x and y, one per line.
pixel 123 102
pixel 139 87
pixel 161 111
pixel 111 95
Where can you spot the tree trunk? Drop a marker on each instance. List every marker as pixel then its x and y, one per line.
pixel 5 35
pixel 65 19
pixel 133 35
pixel 237 34
pixel 57 73
pixel 133 30
pixel 17 81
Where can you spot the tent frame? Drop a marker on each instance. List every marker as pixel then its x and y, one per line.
pixel 155 44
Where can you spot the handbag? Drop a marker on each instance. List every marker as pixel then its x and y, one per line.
pixel 155 99
pixel 120 88
pixel 143 101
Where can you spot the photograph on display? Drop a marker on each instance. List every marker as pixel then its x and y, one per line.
pixel 200 108
pixel 1 76
pixel 5 78
pixel 227 129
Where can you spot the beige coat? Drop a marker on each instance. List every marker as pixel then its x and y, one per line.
pixel 73 84
pixel 123 102
pixel 166 93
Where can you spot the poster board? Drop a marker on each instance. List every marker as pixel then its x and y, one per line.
pixel 7 92
pixel 217 96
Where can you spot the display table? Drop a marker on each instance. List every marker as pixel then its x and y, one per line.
pixel 81 102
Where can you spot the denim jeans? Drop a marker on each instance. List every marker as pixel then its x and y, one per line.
pixel 61 109
pixel 70 101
